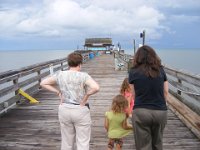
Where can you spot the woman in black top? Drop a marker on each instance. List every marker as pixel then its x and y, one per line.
pixel 150 88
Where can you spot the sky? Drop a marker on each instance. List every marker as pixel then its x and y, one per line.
pixel 64 24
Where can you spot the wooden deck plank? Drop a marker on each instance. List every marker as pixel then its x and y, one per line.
pixel 37 127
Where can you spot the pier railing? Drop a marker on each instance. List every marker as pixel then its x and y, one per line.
pixel 185 86
pixel 122 60
pixel 27 79
pixel 185 104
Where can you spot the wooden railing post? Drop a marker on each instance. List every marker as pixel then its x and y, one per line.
pixel 62 66
pixel 130 64
pixel 15 82
pixel 38 73
pixel 178 91
pixel 51 69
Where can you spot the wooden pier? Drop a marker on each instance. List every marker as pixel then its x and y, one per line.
pixel 36 126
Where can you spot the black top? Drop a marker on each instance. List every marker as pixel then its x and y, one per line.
pixel 149 92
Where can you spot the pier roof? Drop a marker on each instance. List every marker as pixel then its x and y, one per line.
pixel 98 42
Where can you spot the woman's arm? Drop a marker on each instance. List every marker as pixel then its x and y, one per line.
pixel 49 84
pixel 129 98
pixel 166 90
pixel 93 88
pixel 132 90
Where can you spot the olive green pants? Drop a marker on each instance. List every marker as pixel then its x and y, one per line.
pixel 148 128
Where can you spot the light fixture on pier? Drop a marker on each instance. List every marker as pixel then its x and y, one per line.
pixel 142 35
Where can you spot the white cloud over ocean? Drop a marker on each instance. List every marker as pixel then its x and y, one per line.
pixel 78 18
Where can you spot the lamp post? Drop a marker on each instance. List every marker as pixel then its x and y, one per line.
pixel 142 35
pixel 77 47
pixel 119 46
pixel 134 45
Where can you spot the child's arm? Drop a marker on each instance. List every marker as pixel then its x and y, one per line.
pixel 106 124
pixel 125 125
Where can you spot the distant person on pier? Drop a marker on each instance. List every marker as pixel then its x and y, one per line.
pixel 116 122
pixel 74 88
pixel 150 89
pixel 126 91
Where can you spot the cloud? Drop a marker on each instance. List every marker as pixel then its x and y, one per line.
pixel 8 20
pixel 90 17
pixel 70 20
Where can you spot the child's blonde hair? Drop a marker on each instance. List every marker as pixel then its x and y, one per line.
pixel 119 103
pixel 125 86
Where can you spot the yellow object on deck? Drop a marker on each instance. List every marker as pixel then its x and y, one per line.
pixel 31 99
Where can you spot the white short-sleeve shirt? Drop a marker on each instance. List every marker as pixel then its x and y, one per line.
pixel 72 85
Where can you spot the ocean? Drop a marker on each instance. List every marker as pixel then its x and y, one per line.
pixel 16 59
pixel 187 60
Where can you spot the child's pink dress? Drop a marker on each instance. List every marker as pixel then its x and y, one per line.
pixel 126 95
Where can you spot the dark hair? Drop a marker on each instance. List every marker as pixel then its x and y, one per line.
pixel 119 103
pixel 147 61
pixel 74 59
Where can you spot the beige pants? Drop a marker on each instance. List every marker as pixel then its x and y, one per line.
pixel 75 122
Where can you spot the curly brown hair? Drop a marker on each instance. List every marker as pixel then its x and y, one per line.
pixel 125 86
pixel 119 104
pixel 147 61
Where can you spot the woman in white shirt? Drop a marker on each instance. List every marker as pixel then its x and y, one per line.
pixel 74 88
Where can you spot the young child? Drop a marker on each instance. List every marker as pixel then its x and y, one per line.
pixel 126 91
pixel 116 122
